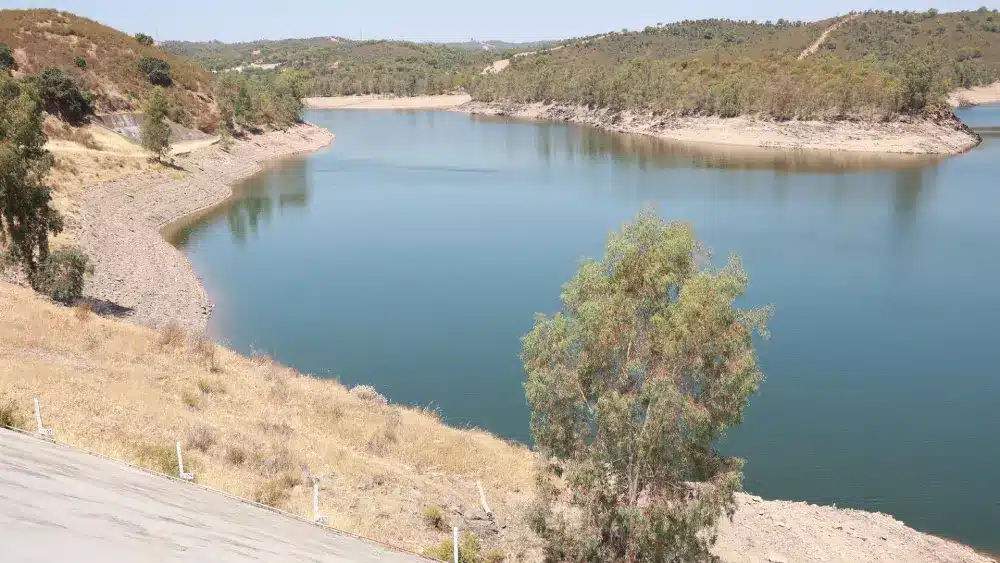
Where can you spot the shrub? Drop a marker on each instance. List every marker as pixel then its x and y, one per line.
pixel 157 70
pixel 155 132
pixel 171 336
pixel 276 492
pixel 206 350
pixel 61 95
pixel 6 57
pixel 144 39
pixel 159 458
pixel 80 62
pixel 495 555
pixel 368 394
pixel 433 517
pixel 61 275
pixel 10 415
pixel 236 455
pixel 210 386
pixel 191 399
pixel 468 549
pixel 201 438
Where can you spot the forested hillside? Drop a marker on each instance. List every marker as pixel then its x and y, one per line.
pixel 334 66
pixel 875 66
pixel 113 71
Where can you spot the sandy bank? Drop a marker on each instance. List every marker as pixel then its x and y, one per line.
pixel 118 224
pixel 444 101
pixel 949 136
pixel 989 94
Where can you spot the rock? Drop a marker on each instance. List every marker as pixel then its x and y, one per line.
pixel 775 558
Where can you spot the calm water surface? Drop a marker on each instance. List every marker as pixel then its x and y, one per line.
pixel 413 253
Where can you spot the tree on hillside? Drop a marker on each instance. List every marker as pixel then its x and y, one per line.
pixel 144 39
pixel 630 386
pixel 155 131
pixel 26 216
pixel 157 70
pixel 62 96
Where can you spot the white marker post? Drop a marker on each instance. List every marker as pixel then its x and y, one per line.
pixel 180 465
pixel 44 432
pixel 456 544
pixel 316 516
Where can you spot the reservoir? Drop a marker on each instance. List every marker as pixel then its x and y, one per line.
pixel 413 253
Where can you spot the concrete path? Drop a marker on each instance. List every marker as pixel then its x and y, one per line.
pixel 59 504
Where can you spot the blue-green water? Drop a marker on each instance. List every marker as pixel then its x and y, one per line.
pixel 413 253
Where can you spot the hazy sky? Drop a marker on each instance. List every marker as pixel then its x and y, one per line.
pixel 440 20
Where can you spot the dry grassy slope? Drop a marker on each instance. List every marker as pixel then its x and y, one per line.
pixel 254 428
pixel 259 430
pixel 49 38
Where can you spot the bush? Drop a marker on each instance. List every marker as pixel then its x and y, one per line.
pixel 61 275
pixel 433 517
pixel 61 95
pixel 6 57
pixel 468 549
pixel 144 39
pixel 155 132
pixel 276 492
pixel 10 415
pixel 368 394
pixel 201 438
pixel 157 70
pixel 80 62
pixel 160 458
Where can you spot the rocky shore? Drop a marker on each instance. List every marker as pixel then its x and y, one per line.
pixel 119 223
pixel 944 135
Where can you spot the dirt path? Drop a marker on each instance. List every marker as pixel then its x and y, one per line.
pixel 819 42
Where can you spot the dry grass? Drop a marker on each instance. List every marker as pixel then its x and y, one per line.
pixel 121 390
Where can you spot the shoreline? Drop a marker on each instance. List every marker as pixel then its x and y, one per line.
pixel 377 102
pixel 121 225
pixel 975 96
pixel 903 137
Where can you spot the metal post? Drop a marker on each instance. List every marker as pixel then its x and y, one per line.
pixel 319 519
pixel 38 416
pixel 180 465
pixel 42 431
pixel 180 461
pixel 456 544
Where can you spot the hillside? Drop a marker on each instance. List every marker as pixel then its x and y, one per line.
pixel 873 66
pixel 331 66
pixel 105 63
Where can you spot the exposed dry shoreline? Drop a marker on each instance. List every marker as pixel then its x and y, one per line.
pixel 119 222
pixel 924 136
pixel 439 102
pixel 979 95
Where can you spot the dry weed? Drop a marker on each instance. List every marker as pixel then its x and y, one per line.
pixel 211 386
pixel 236 454
pixel 191 399
pixel 159 458
pixel 171 336
pixel 201 438
pixel 10 415
pixel 206 350
pixel 433 517
pixel 368 394
pixel 82 312
pixel 277 491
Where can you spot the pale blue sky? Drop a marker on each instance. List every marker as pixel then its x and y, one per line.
pixel 440 20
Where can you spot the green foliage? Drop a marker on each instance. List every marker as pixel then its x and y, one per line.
pixel 157 70
pixel 468 550
pixel 144 39
pixel 155 131
pixel 253 100
pixel 26 218
pixel 433 517
pixel 62 96
pixel 630 385
pixel 6 57
pixel 80 62
pixel 61 275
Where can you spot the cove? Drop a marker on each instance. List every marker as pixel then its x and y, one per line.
pixel 413 253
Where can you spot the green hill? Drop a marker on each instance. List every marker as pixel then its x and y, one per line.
pixel 875 66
